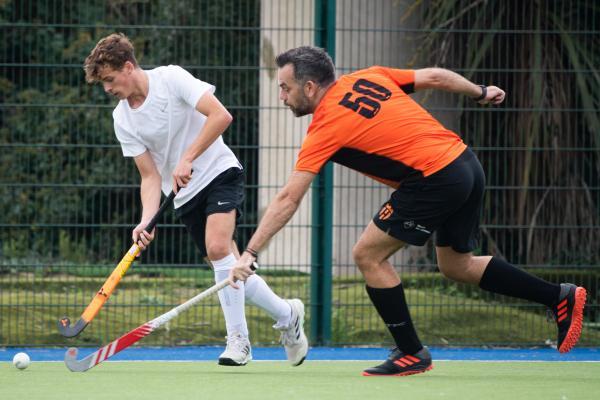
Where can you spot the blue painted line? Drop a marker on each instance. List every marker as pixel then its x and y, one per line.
pixel 211 353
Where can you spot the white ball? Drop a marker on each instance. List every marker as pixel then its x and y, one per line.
pixel 21 360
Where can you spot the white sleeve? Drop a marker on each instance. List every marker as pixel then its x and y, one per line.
pixel 130 145
pixel 186 87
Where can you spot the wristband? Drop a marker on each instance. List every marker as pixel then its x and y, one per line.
pixel 252 252
pixel 483 93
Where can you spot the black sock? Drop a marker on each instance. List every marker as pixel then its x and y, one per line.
pixel 504 278
pixel 391 306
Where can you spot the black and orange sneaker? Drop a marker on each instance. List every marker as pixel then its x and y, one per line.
pixel 400 364
pixel 568 314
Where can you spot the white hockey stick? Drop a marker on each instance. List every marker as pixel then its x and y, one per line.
pixel 104 353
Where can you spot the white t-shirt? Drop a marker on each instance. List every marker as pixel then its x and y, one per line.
pixel 166 124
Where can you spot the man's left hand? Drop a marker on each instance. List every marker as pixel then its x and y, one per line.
pixel 494 95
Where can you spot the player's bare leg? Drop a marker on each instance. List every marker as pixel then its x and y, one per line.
pixel 461 267
pixel 566 301
pixel 371 254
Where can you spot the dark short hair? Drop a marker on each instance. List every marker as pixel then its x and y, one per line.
pixel 112 51
pixel 310 64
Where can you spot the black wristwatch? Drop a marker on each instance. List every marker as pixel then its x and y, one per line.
pixel 483 93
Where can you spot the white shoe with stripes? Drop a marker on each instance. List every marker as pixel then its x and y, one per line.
pixel 292 336
pixel 238 351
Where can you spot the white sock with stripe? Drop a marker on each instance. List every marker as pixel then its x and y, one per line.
pixel 261 295
pixel 232 300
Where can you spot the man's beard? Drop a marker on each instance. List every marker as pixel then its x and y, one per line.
pixel 301 109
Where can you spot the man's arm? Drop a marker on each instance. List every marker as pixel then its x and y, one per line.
pixel 217 120
pixel 279 212
pixel 443 79
pixel 150 190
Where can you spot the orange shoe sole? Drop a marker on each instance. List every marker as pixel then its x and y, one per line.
pixel 402 373
pixel 577 321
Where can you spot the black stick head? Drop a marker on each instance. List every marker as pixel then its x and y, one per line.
pixel 67 330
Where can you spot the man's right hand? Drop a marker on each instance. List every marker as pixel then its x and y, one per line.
pixel 141 237
pixel 242 269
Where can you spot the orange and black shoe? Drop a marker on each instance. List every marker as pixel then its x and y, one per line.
pixel 568 314
pixel 400 364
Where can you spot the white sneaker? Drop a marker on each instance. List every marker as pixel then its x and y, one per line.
pixel 238 351
pixel 292 336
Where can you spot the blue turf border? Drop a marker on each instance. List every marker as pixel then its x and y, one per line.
pixel 211 353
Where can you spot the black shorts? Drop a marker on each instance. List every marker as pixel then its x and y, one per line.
pixel 448 202
pixel 223 194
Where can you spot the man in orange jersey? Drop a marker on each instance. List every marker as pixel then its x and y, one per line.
pixel 366 121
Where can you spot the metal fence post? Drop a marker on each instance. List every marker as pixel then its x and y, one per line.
pixel 322 205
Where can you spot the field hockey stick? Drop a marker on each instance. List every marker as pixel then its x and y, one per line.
pixel 64 324
pixel 104 353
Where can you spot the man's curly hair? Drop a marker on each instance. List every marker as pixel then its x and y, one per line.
pixel 112 51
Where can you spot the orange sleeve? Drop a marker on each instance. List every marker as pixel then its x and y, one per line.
pixel 318 147
pixel 404 78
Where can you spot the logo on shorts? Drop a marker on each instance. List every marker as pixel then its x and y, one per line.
pixel 422 229
pixel 386 212
pixel 409 224
pixel 396 325
pixel 222 203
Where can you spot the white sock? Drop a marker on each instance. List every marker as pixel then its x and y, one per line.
pixel 232 300
pixel 261 295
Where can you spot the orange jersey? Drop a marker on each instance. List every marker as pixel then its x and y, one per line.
pixel 367 122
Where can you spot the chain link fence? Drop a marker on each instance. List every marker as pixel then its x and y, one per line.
pixel 70 200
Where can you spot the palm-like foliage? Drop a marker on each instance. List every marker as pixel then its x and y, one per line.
pixel 541 149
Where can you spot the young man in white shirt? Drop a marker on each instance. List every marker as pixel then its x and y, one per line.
pixel 171 123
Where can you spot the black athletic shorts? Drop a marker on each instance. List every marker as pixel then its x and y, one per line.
pixel 223 194
pixel 447 202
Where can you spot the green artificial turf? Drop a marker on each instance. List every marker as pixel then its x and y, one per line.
pixel 313 380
